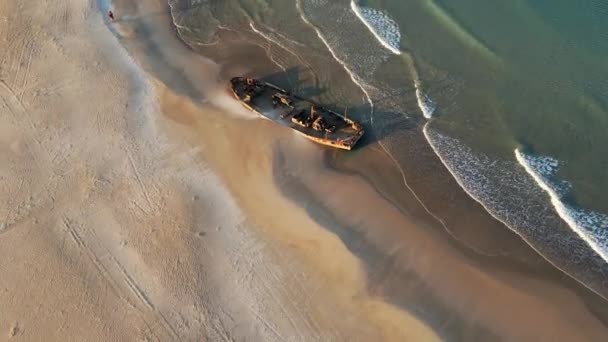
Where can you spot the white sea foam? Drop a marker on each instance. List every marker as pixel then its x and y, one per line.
pixel 381 26
pixel 466 168
pixel 387 32
pixel 270 39
pixel 267 48
pixel 513 196
pixel 591 226
pixel 354 77
pixel 284 46
pixel 426 104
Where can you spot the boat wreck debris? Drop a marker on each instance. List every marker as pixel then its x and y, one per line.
pixel 315 122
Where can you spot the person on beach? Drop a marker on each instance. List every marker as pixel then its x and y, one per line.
pixel 111 15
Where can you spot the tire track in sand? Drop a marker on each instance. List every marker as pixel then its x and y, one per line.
pixel 120 281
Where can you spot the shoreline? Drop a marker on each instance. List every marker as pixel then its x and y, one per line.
pixel 297 144
pixel 135 200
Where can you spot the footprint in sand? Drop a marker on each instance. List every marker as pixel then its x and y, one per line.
pixel 14 330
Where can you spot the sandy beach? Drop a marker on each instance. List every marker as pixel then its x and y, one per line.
pixel 134 206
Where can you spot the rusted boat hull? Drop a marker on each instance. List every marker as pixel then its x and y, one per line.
pixel 299 114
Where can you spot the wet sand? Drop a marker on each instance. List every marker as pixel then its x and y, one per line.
pixel 159 209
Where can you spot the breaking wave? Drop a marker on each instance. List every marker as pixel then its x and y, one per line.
pixel 425 103
pixel 516 198
pixel 381 26
pixel 387 32
pixel 589 225
pixel 350 73
pixel 477 174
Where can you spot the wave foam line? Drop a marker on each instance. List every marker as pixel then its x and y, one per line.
pixel 429 140
pixel 567 213
pixel 391 46
pixel 494 215
pixel 268 48
pixel 333 54
pixel 425 103
pixel 371 104
pixel 268 38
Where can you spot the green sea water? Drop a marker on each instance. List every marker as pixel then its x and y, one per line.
pixel 533 73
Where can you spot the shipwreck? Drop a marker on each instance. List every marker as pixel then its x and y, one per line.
pixel 313 121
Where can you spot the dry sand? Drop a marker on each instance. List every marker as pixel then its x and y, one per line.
pixel 132 207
